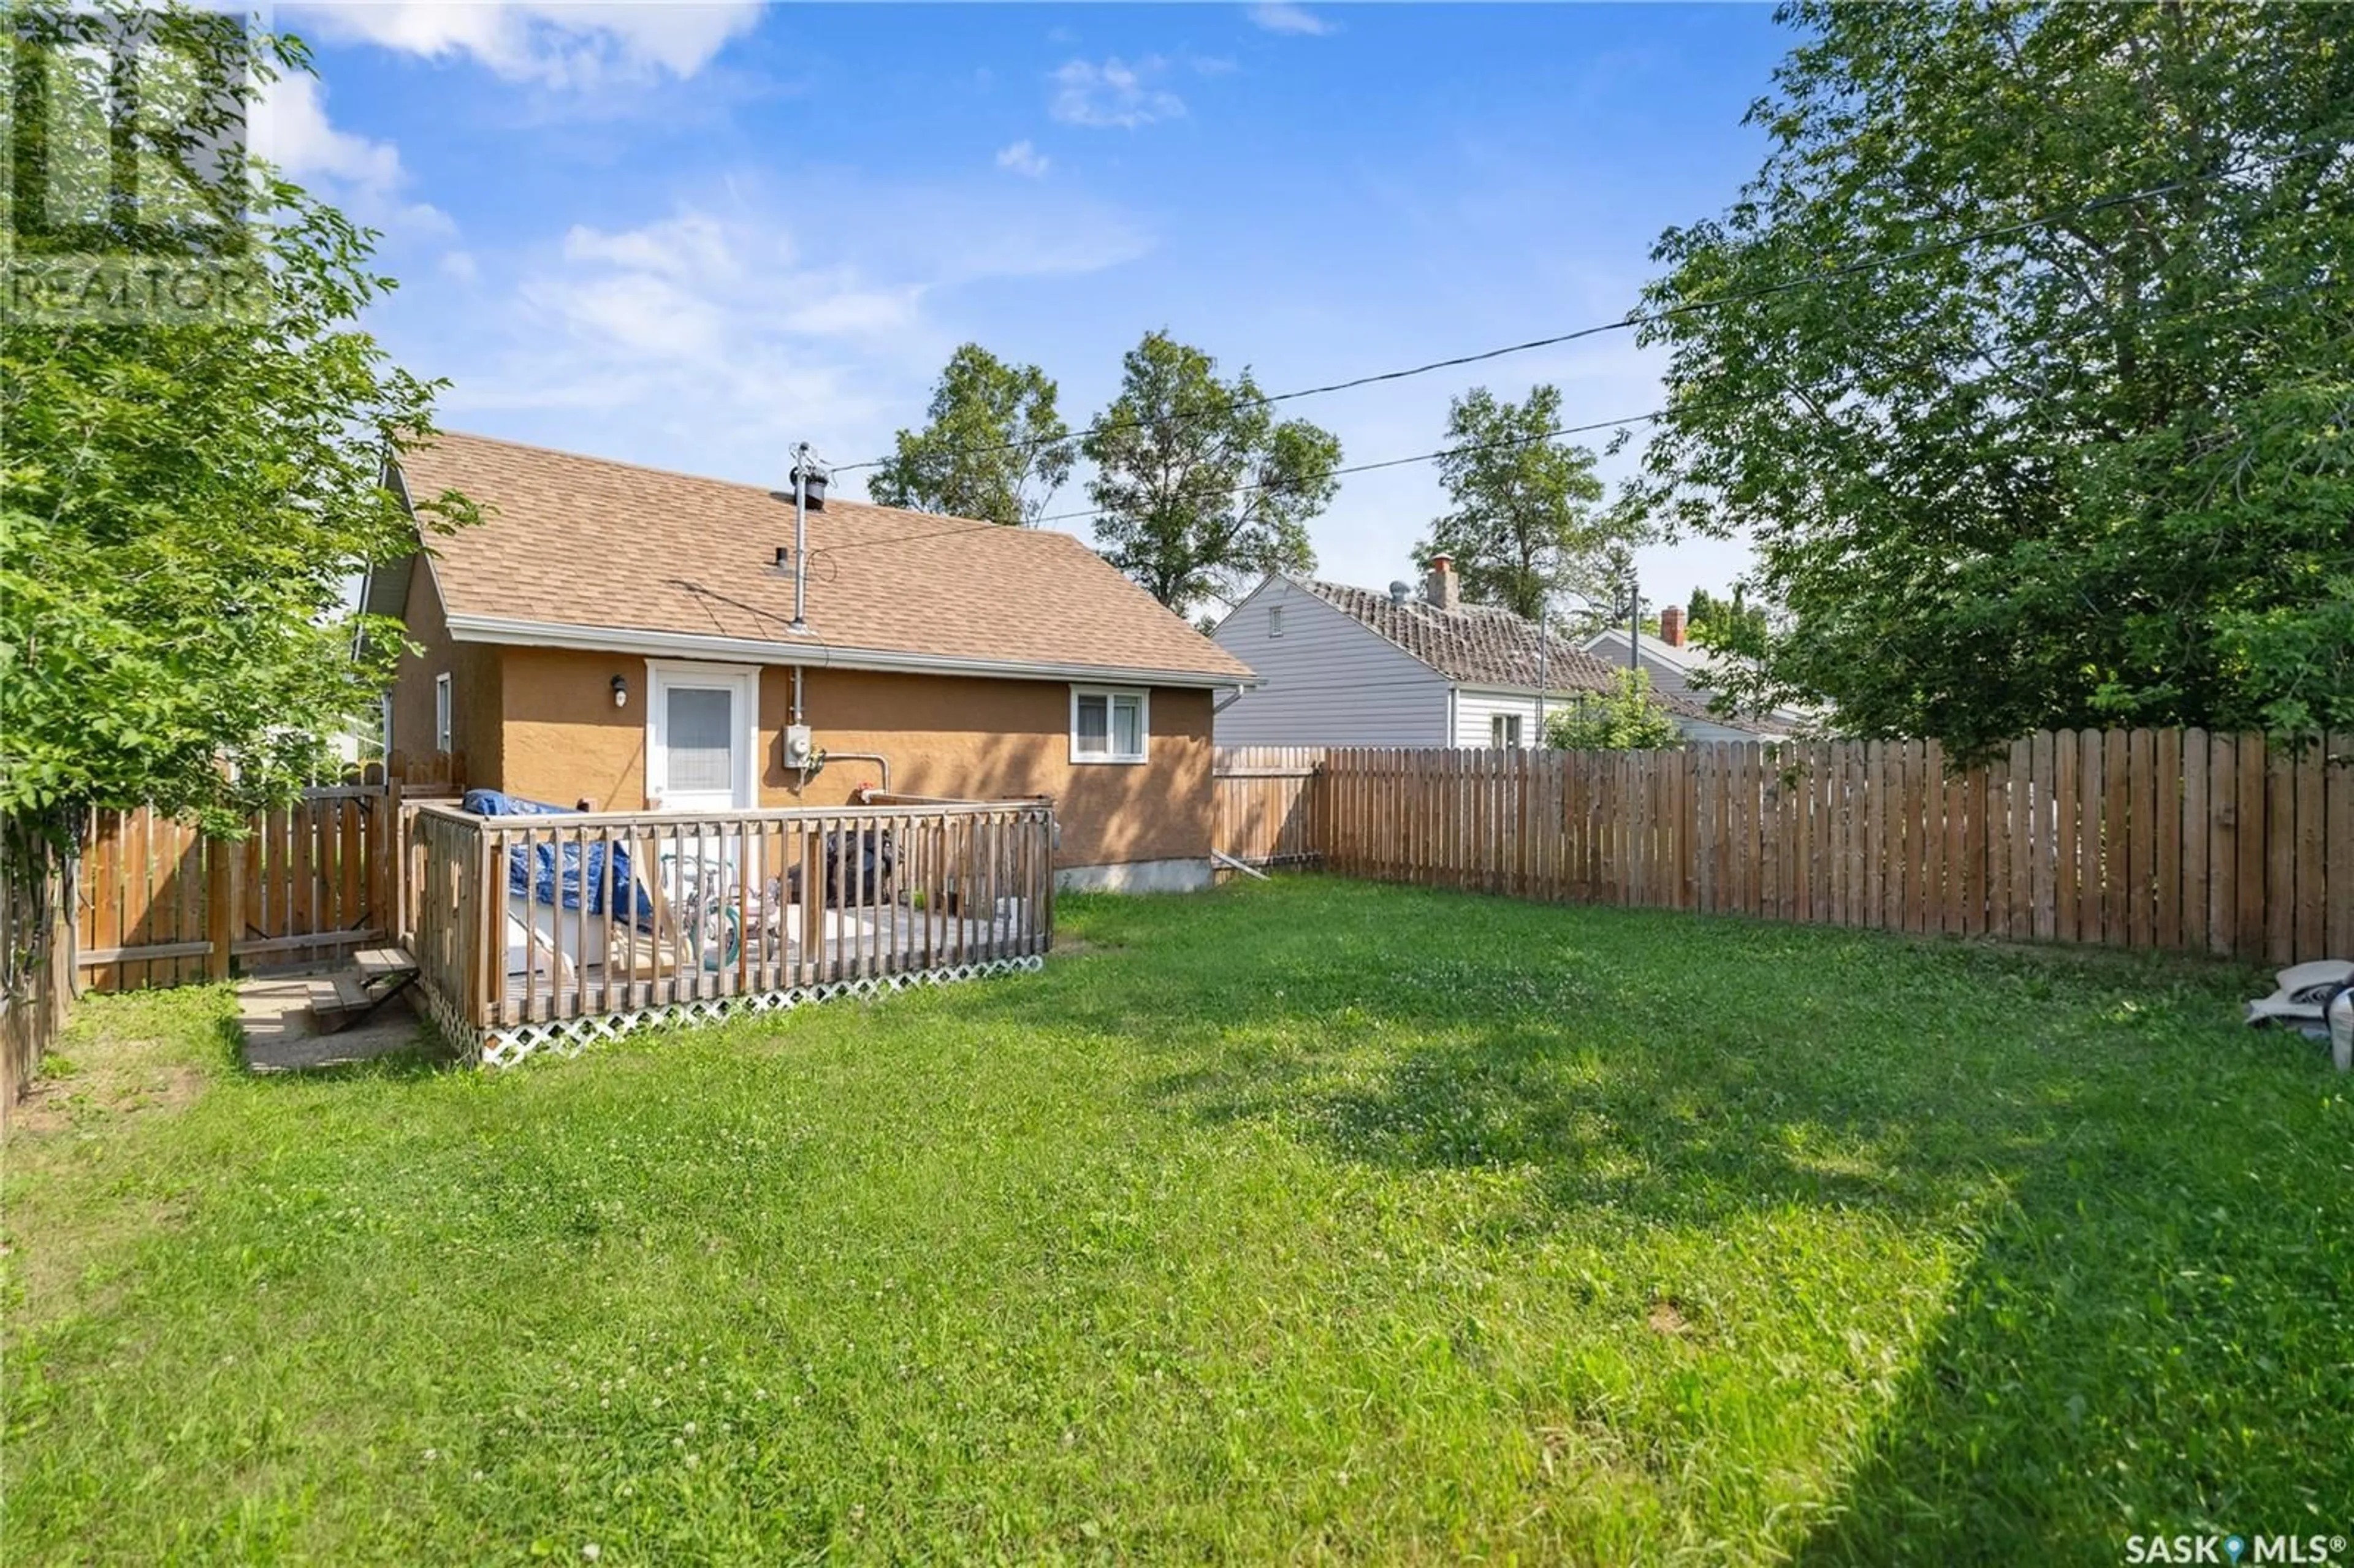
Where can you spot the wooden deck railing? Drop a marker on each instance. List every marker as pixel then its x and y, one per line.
pixel 535 920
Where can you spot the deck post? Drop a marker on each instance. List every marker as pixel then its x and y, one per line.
pixel 812 900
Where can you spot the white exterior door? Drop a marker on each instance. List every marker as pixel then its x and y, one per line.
pixel 703 736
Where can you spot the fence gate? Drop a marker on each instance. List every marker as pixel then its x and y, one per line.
pixel 1266 803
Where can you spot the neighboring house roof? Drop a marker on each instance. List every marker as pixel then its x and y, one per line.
pixel 586 552
pixel 1689 659
pixel 1679 666
pixel 1484 645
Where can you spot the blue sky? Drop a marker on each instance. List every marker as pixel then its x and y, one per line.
pixel 690 236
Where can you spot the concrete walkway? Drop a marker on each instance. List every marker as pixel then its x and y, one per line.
pixel 280 1036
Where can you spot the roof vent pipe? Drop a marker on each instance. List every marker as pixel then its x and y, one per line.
pixel 809 496
pixel 1401 591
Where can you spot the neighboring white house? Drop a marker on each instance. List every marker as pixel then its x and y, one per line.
pixel 1347 666
pixel 1674 662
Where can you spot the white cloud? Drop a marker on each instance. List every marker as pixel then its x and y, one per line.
pixel 1282 16
pixel 645 316
pixel 550 43
pixel 458 266
pixel 692 339
pixel 694 285
pixel 1113 93
pixel 687 246
pixel 849 311
pixel 362 176
pixel 293 132
pixel 1023 159
pixel 711 338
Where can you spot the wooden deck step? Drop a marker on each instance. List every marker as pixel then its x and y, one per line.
pixel 380 964
pixel 337 998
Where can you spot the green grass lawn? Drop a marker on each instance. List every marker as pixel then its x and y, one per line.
pixel 1309 1220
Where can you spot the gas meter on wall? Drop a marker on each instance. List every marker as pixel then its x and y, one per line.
pixel 797 746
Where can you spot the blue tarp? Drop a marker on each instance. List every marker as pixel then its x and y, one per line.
pixel 534 871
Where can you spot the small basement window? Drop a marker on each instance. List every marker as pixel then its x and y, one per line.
pixel 1108 724
pixel 1504 732
pixel 442 711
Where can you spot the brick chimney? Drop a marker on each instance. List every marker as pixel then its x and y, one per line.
pixel 1441 589
pixel 1671 626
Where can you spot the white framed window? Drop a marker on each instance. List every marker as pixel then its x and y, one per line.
pixel 1275 620
pixel 441 711
pixel 1110 723
pixel 1504 732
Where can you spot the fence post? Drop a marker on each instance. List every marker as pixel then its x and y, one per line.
pixel 225 895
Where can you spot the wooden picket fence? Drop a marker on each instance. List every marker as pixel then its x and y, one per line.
pixel 2167 839
pixel 36 951
pixel 1266 803
pixel 161 904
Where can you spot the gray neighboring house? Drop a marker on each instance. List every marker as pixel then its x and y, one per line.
pixel 1347 666
pixel 1673 660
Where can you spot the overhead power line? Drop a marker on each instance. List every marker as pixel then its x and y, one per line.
pixel 1251 488
pixel 1419 457
pixel 1643 318
pixel 2210 308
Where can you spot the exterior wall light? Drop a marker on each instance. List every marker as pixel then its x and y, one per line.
pixel 621 690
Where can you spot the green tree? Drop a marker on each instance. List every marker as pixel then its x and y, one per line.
pixel 1731 623
pixel 993 447
pixel 1202 488
pixel 1625 718
pixel 184 496
pixel 2024 364
pixel 1527 525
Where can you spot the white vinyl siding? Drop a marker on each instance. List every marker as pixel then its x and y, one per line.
pixel 1329 681
pixel 1475 714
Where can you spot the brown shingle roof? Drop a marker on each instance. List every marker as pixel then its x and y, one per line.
pixel 586 542
pixel 1484 645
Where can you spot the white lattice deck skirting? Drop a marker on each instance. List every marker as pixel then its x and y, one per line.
pixel 503 1045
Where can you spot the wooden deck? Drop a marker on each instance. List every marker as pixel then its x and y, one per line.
pixel 854 944
pixel 532 931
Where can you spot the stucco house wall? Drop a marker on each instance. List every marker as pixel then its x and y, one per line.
pixel 475 672
pixel 545 717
